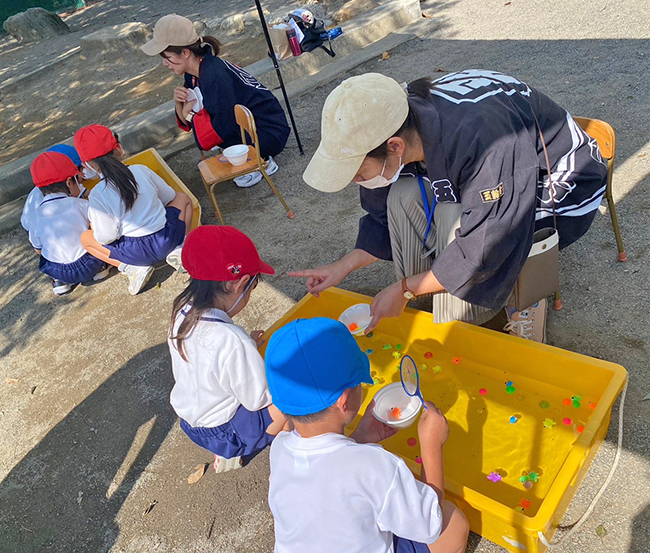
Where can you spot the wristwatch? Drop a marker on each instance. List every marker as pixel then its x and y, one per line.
pixel 190 116
pixel 405 291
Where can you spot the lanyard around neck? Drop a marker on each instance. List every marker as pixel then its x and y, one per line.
pixel 428 209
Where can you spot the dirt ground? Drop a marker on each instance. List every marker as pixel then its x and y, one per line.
pixel 105 89
pixel 88 441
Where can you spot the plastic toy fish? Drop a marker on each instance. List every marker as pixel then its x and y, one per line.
pixel 353 327
pixel 494 477
pixel 395 413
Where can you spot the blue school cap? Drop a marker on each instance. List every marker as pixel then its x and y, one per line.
pixel 66 151
pixel 310 362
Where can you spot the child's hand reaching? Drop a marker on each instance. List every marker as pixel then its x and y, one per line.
pixel 258 336
pixel 370 430
pixel 433 429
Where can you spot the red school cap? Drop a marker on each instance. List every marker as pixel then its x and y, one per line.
pixel 94 141
pixel 221 253
pixel 51 167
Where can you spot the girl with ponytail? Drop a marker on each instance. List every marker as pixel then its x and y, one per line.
pixel 221 394
pixel 137 219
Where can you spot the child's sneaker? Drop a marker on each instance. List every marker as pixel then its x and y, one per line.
pixel 529 323
pixel 221 464
pixel 60 288
pixel 174 259
pixel 138 276
pixel 102 273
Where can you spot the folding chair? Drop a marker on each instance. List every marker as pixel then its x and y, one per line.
pixel 605 136
pixel 217 169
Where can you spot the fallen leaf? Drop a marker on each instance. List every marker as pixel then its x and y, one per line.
pixel 641 155
pixel 148 509
pixel 80 496
pixel 600 531
pixel 439 70
pixel 385 56
pixel 198 473
pixel 646 398
pixel 12 380
pixel 32 390
pixel 507 3
pixel 158 286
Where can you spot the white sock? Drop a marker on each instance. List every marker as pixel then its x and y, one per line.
pixel 122 267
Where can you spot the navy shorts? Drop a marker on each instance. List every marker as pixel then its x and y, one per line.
pixel 81 270
pixel 144 251
pixel 402 545
pixel 242 436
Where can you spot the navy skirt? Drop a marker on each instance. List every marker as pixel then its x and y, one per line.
pixel 144 251
pixel 242 436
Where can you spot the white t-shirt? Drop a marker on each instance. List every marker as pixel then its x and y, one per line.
pixel 224 370
pixel 329 494
pixel 111 221
pixel 57 228
pixel 28 216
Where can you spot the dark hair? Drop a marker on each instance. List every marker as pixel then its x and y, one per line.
pixel 308 419
pixel 119 177
pixel 420 88
pixel 198 48
pixel 200 294
pixel 55 188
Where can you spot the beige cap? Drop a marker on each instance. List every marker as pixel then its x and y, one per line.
pixel 170 30
pixel 358 116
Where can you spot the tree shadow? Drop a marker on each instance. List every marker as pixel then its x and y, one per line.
pixel 65 493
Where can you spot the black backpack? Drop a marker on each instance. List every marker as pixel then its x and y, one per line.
pixel 314 31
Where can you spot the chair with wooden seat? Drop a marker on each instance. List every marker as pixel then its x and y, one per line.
pixel 217 169
pixel 605 136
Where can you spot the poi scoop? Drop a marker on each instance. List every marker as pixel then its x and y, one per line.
pixel 408 372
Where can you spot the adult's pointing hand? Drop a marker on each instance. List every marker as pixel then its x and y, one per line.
pixel 321 278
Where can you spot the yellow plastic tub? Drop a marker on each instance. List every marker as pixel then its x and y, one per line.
pixel 515 409
pixel 152 159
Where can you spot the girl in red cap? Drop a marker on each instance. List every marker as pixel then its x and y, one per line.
pixel 221 394
pixel 206 102
pixel 59 222
pixel 137 219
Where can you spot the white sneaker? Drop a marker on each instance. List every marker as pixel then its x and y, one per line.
pixel 221 464
pixel 60 288
pixel 174 259
pixel 271 166
pixel 248 180
pixel 529 323
pixel 103 272
pixel 138 277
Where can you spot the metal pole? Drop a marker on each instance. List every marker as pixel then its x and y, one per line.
pixel 277 70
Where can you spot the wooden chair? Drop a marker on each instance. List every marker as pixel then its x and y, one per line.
pixel 604 134
pixel 217 169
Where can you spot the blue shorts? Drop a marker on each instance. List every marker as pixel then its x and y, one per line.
pixel 143 251
pixel 242 436
pixel 402 545
pixel 81 270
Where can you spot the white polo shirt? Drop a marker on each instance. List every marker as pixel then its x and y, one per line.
pixel 34 199
pixel 329 494
pixel 57 228
pixel 109 218
pixel 224 370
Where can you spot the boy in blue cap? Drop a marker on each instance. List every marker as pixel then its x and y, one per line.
pixel 332 493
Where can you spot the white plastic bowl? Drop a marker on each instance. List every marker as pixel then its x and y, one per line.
pixel 358 314
pixel 391 396
pixel 236 155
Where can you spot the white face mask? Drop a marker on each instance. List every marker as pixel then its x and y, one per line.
pixel 88 172
pixel 380 181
